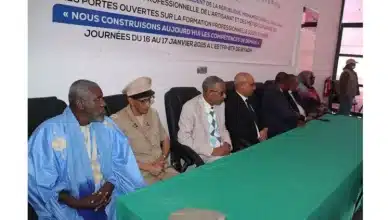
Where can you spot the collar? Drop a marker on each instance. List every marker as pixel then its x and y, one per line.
pixel 134 119
pixel 242 96
pixel 206 104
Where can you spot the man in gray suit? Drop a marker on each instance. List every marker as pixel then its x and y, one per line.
pixel 202 122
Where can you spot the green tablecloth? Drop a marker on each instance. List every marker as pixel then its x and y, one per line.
pixel 314 172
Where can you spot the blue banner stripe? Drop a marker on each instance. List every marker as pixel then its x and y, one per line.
pixel 86 17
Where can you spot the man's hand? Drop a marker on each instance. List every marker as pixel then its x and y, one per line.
pixel 322 110
pixel 155 169
pixel 105 193
pixel 301 123
pixel 263 134
pixel 89 202
pixel 223 150
pixel 160 161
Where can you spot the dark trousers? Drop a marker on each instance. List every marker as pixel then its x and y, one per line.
pixel 345 105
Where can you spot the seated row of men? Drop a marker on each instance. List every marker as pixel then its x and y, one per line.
pixel 81 160
pixel 218 122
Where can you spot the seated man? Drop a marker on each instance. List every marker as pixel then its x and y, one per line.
pixel 310 99
pixel 242 113
pixel 202 122
pixel 278 114
pixel 146 134
pixel 79 161
pixel 293 98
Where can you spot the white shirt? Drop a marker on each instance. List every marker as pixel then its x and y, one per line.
pixel 207 106
pixel 244 99
pixel 91 147
pixel 301 110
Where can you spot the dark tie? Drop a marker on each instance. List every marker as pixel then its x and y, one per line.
pixel 252 113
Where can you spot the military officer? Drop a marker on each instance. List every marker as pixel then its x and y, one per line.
pixel 143 127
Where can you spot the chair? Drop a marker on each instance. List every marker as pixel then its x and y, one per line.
pixel 269 83
pixel 174 99
pixel 39 110
pixel 258 93
pixel 229 86
pixel 115 103
pixel 259 90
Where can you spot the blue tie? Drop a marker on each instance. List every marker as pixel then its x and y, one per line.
pixel 215 137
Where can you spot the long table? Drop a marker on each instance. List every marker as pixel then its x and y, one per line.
pixel 312 172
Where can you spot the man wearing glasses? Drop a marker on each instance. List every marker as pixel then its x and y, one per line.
pixel 143 127
pixel 202 122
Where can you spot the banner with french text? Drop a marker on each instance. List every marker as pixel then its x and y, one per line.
pixel 246 31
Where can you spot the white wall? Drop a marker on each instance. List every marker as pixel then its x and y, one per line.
pixel 43 81
pixel 326 38
pixel 306 49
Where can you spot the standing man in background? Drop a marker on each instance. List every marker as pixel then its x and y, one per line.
pixel 143 127
pixel 202 122
pixel 243 114
pixel 79 162
pixel 349 87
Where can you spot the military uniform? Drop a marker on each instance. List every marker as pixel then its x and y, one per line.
pixel 145 136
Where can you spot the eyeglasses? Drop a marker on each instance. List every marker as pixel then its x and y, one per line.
pixel 149 100
pixel 221 93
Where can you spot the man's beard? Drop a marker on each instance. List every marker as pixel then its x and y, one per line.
pixel 98 117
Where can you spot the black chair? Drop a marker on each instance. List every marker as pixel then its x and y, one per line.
pixel 268 83
pixel 258 93
pixel 259 90
pixel 174 99
pixel 39 110
pixel 229 86
pixel 115 103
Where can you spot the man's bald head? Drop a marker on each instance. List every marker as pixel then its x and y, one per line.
pixel 242 77
pixel 244 84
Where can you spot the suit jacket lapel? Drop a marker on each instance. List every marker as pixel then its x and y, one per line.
pixel 219 119
pixel 203 115
pixel 253 108
pixel 291 102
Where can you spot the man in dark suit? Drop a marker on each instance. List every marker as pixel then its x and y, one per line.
pixel 242 114
pixel 277 112
pixel 293 97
